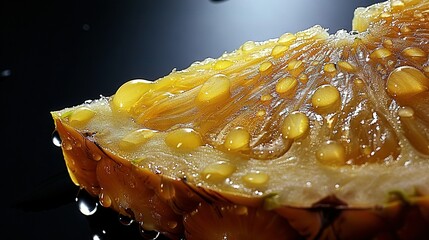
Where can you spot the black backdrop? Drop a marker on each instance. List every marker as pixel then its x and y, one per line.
pixel 55 54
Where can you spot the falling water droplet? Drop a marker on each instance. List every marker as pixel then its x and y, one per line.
pixel 56 140
pixel 6 73
pixel 96 237
pixel 100 235
pixel 86 27
pixel 86 203
pixel 124 220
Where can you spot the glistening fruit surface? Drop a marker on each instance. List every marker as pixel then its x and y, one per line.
pixel 286 122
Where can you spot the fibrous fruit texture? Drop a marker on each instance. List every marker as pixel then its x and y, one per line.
pixel 308 136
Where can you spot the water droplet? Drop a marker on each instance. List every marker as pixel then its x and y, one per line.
pixel 219 171
pixel 256 179
pixel 67 145
pixel 241 210
pixel 295 125
pixel 406 81
pixel 172 224
pixel 81 116
pixel 326 99
pixel 6 73
pixel 415 54
pixel 105 200
pixel 279 50
pixel 148 234
pixel 258 193
pixel 407 163
pixel 86 27
pixel 96 237
pixel 287 39
pixel 136 138
pixel 215 90
pixel 265 67
pixel 183 139
pixel 330 68
pixel 124 220
pixel 247 46
pixel 286 85
pixel 406 112
pixel 96 156
pixel 237 139
pixel 380 53
pixel 331 153
pixel 223 64
pixel 86 203
pixel 56 139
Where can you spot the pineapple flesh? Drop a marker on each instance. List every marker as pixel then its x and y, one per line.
pixel 309 135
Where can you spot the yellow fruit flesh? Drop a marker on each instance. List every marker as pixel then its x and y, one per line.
pixel 307 109
pixel 306 136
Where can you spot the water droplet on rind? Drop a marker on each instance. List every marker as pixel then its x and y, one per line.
pixel 148 234
pixel 67 145
pixel 124 220
pixel 96 156
pixel 105 200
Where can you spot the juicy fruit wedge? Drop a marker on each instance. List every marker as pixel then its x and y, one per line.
pixel 309 135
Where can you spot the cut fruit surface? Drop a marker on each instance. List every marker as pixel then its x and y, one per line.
pixel 309 130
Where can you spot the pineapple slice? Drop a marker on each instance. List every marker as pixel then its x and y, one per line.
pixel 309 135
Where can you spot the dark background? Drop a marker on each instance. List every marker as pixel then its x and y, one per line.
pixel 55 54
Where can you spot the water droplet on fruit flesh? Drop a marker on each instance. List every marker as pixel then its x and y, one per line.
pixel 217 172
pixel 331 153
pixel 295 126
pixel 215 90
pixel 265 67
pixel 279 51
pixel 286 85
pixel 183 139
pixel 406 81
pixel 237 139
pixel 247 46
pixel 326 99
